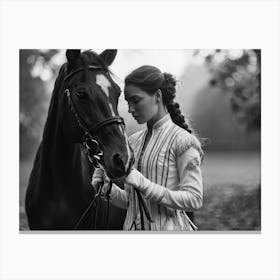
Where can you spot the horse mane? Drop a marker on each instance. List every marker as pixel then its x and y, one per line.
pixel 54 103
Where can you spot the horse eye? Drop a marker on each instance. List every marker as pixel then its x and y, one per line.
pixel 81 94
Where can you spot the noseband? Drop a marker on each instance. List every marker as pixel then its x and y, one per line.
pixel 91 145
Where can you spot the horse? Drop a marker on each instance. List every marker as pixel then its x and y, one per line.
pixel 83 130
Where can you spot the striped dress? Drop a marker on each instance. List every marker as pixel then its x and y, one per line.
pixel 171 161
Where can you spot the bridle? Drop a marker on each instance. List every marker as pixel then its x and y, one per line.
pixel 92 147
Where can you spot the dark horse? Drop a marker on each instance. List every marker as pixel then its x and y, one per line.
pixel 83 110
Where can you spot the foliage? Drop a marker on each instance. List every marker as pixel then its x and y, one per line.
pixel 36 67
pixel 238 73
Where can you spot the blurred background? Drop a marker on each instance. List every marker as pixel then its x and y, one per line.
pixel 219 92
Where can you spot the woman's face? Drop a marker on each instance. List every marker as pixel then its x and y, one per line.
pixel 141 105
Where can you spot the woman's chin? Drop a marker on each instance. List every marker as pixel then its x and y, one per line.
pixel 140 121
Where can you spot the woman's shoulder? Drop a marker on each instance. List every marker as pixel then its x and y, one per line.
pixel 185 140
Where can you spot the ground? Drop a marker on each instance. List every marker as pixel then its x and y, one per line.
pixel 232 192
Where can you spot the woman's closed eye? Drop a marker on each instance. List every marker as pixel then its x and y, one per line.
pixel 135 100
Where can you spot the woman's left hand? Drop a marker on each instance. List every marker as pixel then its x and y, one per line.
pixel 134 178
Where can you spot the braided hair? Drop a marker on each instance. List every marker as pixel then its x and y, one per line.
pixel 150 79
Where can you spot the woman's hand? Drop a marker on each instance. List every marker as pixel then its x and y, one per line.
pixel 98 177
pixel 134 178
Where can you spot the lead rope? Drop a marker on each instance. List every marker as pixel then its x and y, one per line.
pixel 108 194
pixel 141 210
pixel 95 202
pixel 143 206
pixel 97 195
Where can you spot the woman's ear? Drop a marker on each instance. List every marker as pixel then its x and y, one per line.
pixel 159 96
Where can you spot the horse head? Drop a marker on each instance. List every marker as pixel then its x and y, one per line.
pixel 90 115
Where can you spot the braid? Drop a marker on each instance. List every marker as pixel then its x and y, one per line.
pixel 168 89
pixel 177 117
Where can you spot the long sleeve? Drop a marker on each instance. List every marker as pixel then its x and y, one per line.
pixel 189 195
pixel 119 197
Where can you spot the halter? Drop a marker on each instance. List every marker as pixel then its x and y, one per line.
pixel 92 147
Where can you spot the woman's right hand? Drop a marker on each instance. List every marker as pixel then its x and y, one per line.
pixel 98 177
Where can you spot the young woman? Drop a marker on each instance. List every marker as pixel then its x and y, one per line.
pixel 166 181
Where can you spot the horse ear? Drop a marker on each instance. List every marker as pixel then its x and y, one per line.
pixel 108 56
pixel 72 55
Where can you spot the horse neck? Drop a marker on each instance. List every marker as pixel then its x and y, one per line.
pixel 67 164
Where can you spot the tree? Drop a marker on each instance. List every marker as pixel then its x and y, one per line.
pixel 36 68
pixel 238 73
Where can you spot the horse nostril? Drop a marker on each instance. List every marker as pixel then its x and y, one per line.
pixel 118 160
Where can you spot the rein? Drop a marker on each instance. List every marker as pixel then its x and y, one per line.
pixel 95 203
pixel 92 147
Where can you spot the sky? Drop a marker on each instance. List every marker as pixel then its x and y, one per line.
pixel 173 61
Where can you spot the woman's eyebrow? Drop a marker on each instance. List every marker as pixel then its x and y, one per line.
pixel 135 96
pixel 131 97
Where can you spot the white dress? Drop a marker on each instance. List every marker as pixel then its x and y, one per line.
pixel 172 163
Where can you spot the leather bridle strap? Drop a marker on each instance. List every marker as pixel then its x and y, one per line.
pixel 94 203
pixel 90 67
pixel 88 133
pixel 115 119
pixel 72 108
pixel 95 128
pixel 143 208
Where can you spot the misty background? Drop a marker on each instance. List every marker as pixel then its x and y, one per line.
pixel 219 92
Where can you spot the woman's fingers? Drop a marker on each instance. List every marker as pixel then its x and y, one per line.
pixel 97 177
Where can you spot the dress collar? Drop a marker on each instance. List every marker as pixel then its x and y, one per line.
pixel 160 123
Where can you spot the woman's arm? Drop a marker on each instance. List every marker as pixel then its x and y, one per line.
pixel 190 193
pixel 118 197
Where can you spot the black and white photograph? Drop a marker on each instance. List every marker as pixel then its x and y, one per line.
pixel 139 140
pixel 110 141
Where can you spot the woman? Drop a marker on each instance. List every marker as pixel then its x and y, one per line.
pixel 166 180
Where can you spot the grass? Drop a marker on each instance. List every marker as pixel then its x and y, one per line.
pixel 230 207
pixel 232 192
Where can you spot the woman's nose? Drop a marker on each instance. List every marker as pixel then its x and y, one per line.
pixel 131 109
